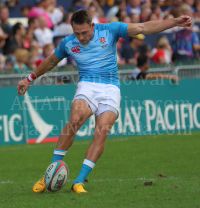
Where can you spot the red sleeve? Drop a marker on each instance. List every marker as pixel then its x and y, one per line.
pixel 159 54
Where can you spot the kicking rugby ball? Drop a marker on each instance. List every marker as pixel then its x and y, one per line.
pixel 56 175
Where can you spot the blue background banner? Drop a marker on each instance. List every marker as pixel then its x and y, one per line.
pixel 147 107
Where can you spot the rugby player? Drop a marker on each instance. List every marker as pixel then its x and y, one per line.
pixel 93 46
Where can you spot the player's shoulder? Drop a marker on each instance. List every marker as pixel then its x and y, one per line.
pixel 107 26
pixel 68 39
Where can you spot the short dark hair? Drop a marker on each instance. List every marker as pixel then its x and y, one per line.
pixel 144 48
pixel 142 59
pixel 31 20
pixel 26 6
pixel 154 7
pixel 118 2
pixel 16 27
pixel 81 16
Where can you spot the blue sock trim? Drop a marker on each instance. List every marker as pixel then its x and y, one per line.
pixel 60 150
pixel 58 154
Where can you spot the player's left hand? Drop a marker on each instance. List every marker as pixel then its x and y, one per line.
pixel 184 21
pixel 23 86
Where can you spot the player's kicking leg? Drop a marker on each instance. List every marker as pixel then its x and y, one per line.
pixel 104 122
pixel 80 111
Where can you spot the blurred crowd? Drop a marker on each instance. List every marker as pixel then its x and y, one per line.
pixel 24 46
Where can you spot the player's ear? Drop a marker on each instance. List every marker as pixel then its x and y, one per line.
pixel 92 25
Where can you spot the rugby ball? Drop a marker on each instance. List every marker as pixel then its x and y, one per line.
pixel 56 175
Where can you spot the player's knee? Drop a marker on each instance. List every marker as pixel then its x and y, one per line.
pixel 76 119
pixel 103 131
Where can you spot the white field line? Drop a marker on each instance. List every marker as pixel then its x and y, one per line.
pixel 29 146
pixel 3 182
pixel 101 180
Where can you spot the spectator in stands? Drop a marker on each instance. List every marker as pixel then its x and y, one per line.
pixel 156 12
pixel 113 11
pixel 121 14
pixel 153 17
pixel 10 3
pixel 135 18
pixel 95 11
pixel 78 4
pixel 113 19
pixel 133 7
pixel 19 33
pixel 31 62
pixel 129 51
pixel 43 34
pixel 164 51
pixel 197 10
pixel 21 55
pixel 144 49
pixel 186 9
pixel 25 9
pixel 55 13
pixel 175 9
pixel 145 13
pixel 191 4
pixel 48 50
pixel 28 38
pixel 120 60
pixel 185 42
pixel 38 11
pixel 2 63
pixel 127 19
pixel 5 25
pixel 143 64
pixel 3 37
pixel 63 29
pixel 149 2
pixel 33 23
pixel 35 50
pixel 10 62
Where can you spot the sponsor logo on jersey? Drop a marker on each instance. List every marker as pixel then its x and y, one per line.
pixel 76 49
pixel 103 41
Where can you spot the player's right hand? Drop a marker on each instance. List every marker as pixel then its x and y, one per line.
pixel 23 85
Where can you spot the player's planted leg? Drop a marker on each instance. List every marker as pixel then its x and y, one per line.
pixel 104 122
pixel 79 113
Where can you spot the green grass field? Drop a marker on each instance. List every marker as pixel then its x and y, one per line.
pixel 118 178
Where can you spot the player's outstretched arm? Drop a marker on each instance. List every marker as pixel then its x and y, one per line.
pixel 151 27
pixel 48 64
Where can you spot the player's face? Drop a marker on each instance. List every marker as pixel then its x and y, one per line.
pixel 83 32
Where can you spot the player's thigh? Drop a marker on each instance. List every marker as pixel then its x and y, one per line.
pixel 80 108
pixel 105 121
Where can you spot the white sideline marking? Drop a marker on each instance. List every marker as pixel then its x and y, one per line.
pixel 151 179
pixel 77 143
pixel 6 181
pixel 127 179
pixel 100 180
pixel 118 139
